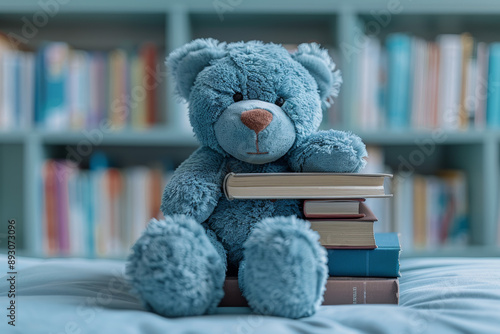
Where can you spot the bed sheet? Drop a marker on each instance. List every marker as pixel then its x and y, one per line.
pixel 437 295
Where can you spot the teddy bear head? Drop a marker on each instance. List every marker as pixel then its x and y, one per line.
pixel 253 101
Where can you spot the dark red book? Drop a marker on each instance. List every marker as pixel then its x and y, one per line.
pixel 339 291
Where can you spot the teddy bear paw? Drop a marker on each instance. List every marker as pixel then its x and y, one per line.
pixel 176 269
pixel 284 269
pixel 330 151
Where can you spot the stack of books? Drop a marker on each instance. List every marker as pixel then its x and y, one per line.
pixel 363 265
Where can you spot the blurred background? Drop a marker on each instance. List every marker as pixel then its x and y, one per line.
pixel 90 130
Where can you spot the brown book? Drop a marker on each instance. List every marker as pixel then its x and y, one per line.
pixel 467 49
pixel 419 212
pixel 50 210
pixel 354 233
pixel 304 185
pixel 339 291
pixel 155 188
pixel 149 55
pixel 331 208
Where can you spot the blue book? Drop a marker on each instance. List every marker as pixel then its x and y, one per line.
pixel 52 70
pixel 18 88
pixel 493 102
pixel 39 90
pixel 382 261
pixel 98 161
pixel 398 80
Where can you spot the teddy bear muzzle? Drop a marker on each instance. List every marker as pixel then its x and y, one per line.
pixel 255 131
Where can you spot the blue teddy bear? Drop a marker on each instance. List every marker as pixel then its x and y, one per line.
pixel 255 108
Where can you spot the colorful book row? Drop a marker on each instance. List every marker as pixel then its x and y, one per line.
pixel 98 212
pixel 60 88
pixel 431 211
pixel 409 82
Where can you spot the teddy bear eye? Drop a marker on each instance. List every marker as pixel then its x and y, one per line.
pixel 237 97
pixel 279 101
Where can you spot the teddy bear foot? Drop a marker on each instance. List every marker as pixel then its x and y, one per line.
pixel 176 268
pixel 284 269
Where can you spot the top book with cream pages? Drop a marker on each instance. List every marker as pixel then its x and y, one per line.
pixel 304 185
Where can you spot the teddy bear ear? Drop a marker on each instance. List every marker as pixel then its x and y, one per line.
pixel 187 61
pixel 321 66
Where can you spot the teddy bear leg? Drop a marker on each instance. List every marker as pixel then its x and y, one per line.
pixel 284 269
pixel 178 268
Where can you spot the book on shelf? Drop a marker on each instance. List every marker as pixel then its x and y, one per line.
pixel 450 51
pixel 370 67
pixel 382 261
pixel 353 233
pixel 431 210
pixel 304 185
pixel 341 208
pixel 398 82
pixel 493 102
pixel 16 86
pixel 339 291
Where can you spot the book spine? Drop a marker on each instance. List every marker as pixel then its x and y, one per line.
pixel 399 58
pixel 467 49
pixel 360 291
pixel 149 54
pixel 481 91
pixel 55 69
pixel 338 292
pixel 333 215
pixel 379 262
pixel 493 103
pixel 8 94
pixel 62 208
pixel 450 77
pixel 49 214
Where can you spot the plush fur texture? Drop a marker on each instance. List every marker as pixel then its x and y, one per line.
pixel 329 150
pixel 175 260
pixel 178 265
pixel 284 269
pixel 242 143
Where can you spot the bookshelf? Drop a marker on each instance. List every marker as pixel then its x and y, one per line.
pixel 97 24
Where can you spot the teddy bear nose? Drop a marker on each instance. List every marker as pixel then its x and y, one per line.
pixel 256 119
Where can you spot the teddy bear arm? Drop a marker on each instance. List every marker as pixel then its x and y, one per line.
pixel 196 186
pixel 329 151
